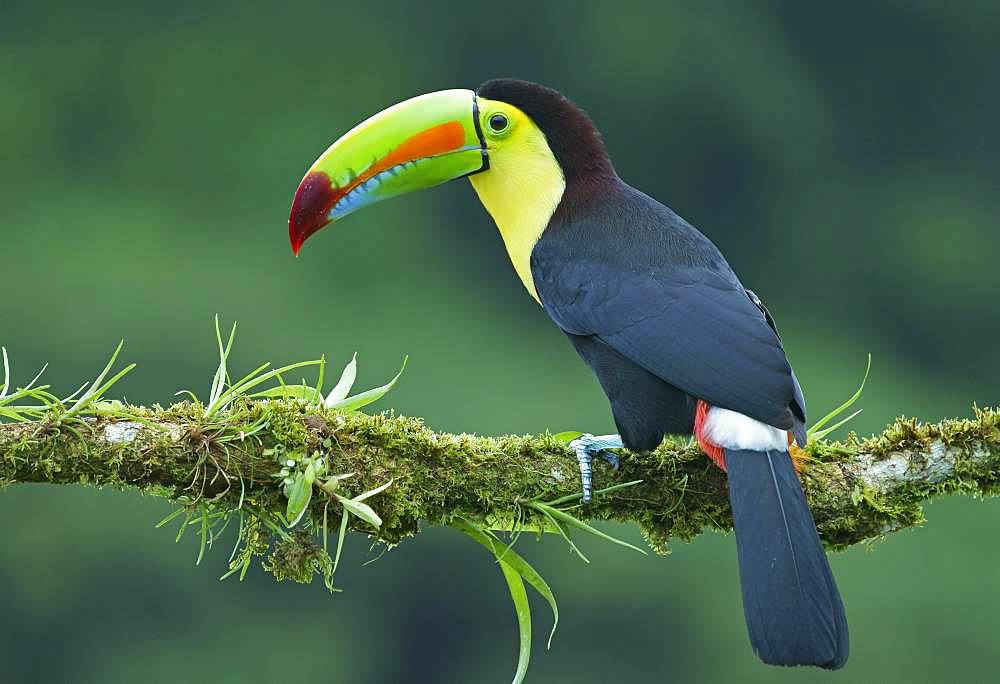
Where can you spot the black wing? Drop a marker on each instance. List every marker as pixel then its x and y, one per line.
pixel 634 275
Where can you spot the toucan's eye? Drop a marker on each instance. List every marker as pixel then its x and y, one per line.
pixel 498 123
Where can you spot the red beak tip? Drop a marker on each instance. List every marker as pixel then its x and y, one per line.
pixel 313 200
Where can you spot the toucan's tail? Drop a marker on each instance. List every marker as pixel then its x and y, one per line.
pixel 793 609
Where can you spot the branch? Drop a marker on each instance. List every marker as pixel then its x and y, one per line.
pixel 859 489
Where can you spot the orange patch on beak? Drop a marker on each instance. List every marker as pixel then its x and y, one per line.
pixel 446 137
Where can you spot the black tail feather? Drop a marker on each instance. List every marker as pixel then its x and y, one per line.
pixel 792 606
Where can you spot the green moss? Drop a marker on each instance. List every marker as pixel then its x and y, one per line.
pixel 285 421
pixel 217 466
pixel 298 559
pixel 910 434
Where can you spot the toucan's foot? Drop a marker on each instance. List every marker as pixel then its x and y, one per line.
pixel 586 447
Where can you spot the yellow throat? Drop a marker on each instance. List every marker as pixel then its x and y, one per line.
pixel 521 189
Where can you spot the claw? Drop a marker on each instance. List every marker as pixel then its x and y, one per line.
pixel 586 447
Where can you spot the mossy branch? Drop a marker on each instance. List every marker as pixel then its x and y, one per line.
pixel 858 489
pixel 281 458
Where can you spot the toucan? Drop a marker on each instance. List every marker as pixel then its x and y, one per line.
pixel 676 341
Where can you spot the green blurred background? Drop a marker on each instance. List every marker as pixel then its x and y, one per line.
pixel 843 157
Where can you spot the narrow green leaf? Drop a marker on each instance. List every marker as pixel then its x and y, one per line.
pixel 372 492
pixel 820 434
pixel 560 530
pixel 6 373
pixel 39 393
pixel 88 399
pixel 189 393
pixel 567 437
pixel 253 374
pixel 75 394
pixel 184 526
pixel 219 380
pixel 220 370
pixel 97 381
pixel 286 392
pixel 326 533
pixel 320 380
pixel 239 538
pixel 340 540
pixel 346 382
pixel 369 396
pixel 204 535
pixel 243 491
pixel 246 566
pixel 579 495
pixel 568 519
pixel 251 381
pixel 38 375
pixel 299 494
pixel 505 554
pixel 362 510
pixel 97 388
pixel 520 598
pixel 227 518
pixel 843 407
pixel 107 369
pixel 172 516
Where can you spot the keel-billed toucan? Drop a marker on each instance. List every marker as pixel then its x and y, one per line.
pixel 650 304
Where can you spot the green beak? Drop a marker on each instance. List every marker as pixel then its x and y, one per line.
pixel 416 144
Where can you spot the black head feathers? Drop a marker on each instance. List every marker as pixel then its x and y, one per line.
pixel 572 136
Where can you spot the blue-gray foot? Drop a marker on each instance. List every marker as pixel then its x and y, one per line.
pixel 586 447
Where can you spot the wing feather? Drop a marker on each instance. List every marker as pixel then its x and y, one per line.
pixel 672 306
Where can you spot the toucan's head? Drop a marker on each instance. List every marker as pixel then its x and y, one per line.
pixel 522 145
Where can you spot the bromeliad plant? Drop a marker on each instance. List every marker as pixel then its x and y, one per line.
pixel 300 474
pixel 231 416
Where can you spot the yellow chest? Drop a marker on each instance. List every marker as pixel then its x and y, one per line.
pixel 521 193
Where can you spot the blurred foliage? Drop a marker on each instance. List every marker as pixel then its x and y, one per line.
pixel 843 157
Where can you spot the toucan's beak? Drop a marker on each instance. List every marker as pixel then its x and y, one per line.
pixel 415 144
